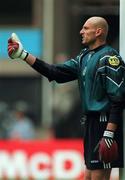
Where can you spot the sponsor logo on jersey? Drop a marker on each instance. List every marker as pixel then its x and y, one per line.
pixel 114 61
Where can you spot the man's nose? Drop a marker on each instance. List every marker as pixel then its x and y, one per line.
pixel 80 31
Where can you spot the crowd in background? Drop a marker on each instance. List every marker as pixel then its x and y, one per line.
pixel 15 122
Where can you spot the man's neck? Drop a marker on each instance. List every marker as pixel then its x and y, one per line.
pixel 96 45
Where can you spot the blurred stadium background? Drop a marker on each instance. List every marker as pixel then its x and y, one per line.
pixel 49 29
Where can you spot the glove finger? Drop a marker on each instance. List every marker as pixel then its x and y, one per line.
pixel 10 40
pixel 11 50
pixel 107 154
pixel 13 43
pixel 15 46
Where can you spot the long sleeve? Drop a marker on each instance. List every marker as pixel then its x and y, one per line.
pixel 60 73
pixel 112 72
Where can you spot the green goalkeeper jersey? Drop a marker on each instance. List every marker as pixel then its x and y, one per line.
pixel 100 75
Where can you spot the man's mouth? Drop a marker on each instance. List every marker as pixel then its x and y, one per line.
pixel 83 38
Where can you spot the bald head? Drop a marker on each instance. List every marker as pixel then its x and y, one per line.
pixel 99 22
pixel 94 32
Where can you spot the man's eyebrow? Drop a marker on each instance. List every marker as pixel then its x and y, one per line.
pixel 85 27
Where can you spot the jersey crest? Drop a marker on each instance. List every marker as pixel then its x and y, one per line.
pixel 114 61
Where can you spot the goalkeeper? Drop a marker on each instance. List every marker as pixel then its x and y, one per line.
pixel 99 70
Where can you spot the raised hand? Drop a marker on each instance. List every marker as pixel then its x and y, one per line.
pixel 15 48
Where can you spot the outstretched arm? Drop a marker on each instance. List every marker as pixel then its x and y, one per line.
pixel 61 74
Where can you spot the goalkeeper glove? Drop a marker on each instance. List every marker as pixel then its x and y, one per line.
pixel 108 148
pixel 15 48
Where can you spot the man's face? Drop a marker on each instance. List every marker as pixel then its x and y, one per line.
pixel 88 33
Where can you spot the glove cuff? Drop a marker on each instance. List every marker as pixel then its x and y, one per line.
pixel 109 134
pixel 23 54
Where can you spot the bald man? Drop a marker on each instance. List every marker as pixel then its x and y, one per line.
pixel 99 70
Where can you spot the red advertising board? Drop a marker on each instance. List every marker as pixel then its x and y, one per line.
pixel 43 160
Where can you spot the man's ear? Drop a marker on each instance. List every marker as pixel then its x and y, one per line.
pixel 99 31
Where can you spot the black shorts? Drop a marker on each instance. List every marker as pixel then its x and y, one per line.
pixel 94 128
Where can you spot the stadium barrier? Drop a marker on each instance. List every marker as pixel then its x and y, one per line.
pixel 43 159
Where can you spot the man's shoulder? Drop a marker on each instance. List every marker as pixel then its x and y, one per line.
pixel 109 52
pixel 107 49
pixel 111 57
